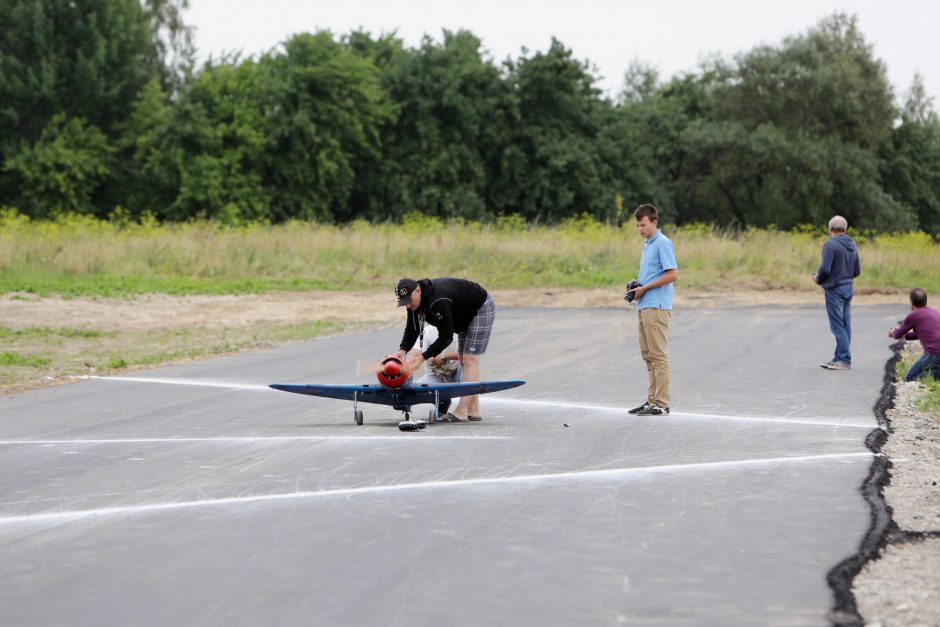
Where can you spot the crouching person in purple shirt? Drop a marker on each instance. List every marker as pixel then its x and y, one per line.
pixel 923 323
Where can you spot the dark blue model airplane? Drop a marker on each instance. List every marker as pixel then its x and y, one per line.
pixel 395 388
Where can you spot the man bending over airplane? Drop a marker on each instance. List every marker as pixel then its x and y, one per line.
pixel 453 306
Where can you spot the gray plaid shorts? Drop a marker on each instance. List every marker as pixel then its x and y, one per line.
pixel 474 340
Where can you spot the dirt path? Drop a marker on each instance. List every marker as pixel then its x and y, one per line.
pixel 161 311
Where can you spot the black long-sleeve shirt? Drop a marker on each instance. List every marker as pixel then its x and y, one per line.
pixel 446 303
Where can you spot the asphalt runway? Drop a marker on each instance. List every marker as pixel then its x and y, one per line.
pixel 194 495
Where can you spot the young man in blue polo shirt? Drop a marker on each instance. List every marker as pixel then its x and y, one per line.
pixel 658 271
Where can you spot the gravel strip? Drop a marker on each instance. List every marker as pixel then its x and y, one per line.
pixel 902 586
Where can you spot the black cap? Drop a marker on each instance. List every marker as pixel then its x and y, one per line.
pixel 404 289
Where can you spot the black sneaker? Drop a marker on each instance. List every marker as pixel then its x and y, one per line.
pixel 653 410
pixel 637 410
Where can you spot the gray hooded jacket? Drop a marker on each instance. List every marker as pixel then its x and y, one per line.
pixel 839 264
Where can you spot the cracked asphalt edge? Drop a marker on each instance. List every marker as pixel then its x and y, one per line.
pixel 844 612
pixel 883 529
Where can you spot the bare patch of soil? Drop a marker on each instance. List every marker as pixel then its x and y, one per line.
pixel 161 311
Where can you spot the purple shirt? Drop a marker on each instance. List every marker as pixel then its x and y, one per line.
pixel 922 324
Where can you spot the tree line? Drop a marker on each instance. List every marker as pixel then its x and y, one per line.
pixel 102 109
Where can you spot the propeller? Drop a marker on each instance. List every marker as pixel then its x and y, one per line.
pixel 394 372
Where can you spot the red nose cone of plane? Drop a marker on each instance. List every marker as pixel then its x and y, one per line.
pixel 392 373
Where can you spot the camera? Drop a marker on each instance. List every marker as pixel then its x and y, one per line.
pixel 629 296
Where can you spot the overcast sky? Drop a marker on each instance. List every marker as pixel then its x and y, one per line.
pixel 672 35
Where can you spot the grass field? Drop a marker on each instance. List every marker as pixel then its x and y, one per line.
pixel 77 256
pixel 31 355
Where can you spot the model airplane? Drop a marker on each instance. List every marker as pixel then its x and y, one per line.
pixel 396 388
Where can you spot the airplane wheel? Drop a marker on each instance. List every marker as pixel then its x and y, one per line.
pixel 432 417
pixel 358 416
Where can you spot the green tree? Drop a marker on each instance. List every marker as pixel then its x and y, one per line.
pixel 911 160
pixel 84 60
pixel 324 114
pixel 795 135
pixel 826 82
pixel 559 158
pixel 276 138
pixel 447 128
pixel 173 50
pixel 215 148
pixel 654 122
pixel 62 170
pixel 148 174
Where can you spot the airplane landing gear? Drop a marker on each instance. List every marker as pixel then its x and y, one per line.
pixel 357 414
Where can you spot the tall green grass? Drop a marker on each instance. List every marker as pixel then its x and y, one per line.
pixel 81 256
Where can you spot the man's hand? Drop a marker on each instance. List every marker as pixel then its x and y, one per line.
pixel 814 279
pixel 414 362
pixel 891 333
pixel 669 276
pixel 437 360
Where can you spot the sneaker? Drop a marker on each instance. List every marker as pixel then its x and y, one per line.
pixel 637 410
pixel 653 410
pixel 826 365
pixel 840 365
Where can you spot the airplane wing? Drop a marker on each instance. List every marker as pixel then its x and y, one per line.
pixel 363 393
pixel 424 393
pixel 411 394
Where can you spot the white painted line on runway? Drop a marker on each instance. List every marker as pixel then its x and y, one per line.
pixel 622 412
pixel 194 382
pixel 790 421
pixel 251 440
pixel 69 516
pixel 510 401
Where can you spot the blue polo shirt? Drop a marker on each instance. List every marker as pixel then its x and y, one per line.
pixel 659 255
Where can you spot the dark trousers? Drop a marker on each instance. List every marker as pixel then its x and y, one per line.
pixel 929 363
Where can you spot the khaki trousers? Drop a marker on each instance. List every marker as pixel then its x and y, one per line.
pixel 654 331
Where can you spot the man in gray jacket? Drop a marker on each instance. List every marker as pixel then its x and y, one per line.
pixel 839 266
